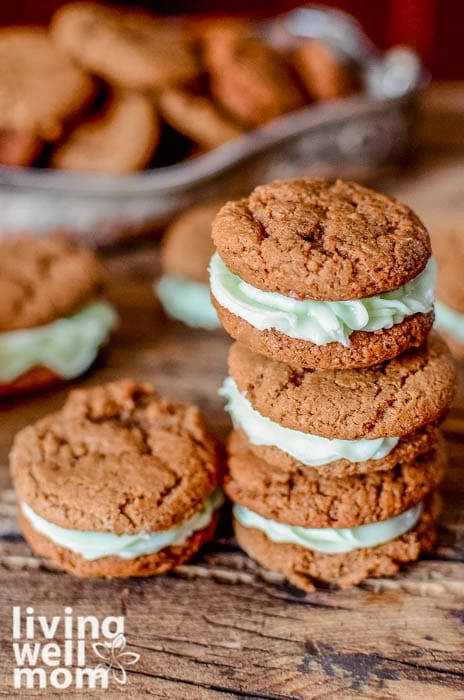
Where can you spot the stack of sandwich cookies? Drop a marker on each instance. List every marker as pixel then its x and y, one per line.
pixel 335 456
pixel 352 448
pixel 53 318
pixel 148 466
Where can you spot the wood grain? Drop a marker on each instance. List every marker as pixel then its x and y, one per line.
pixel 221 627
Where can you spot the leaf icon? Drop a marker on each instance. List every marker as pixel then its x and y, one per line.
pixel 127 658
pixel 119 642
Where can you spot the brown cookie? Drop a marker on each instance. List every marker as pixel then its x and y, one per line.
pixel 156 461
pixel 187 246
pixel 120 140
pixel 250 79
pixel 456 347
pixel 448 248
pixel 42 279
pixel 409 447
pixel 321 239
pixel 18 147
pixel 390 399
pixel 34 380
pixel 116 567
pixel 40 87
pixel 302 497
pixel 127 48
pixel 324 73
pixel 198 118
pixel 365 348
pixel 305 568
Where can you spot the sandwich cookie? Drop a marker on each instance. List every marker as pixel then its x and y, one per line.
pixel 302 497
pixel 448 247
pixel 288 448
pixel 388 400
pixel 322 274
pixel 185 253
pixel 53 318
pixel 340 557
pixel 148 466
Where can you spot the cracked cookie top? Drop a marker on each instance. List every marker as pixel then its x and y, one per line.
pixel 43 279
pixel 118 459
pixel 321 239
pixel 390 399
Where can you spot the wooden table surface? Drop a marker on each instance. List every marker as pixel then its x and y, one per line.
pixel 220 627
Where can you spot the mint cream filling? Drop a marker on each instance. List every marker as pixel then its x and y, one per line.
pixel 449 321
pixel 311 450
pixel 67 346
pixel 331 540
pixel 96 545
pixel 320 322
pixel 187 301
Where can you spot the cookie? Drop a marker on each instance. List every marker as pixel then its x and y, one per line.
pixel 185 254
pixel 288 251
pixel 187 246
pixel 117 567
pixel 127 48
pixel 325 74
pixel 53 319
pixel 250 79
pixel 148 466
pixel 322 240
pixel 448 247
pixel 301 496
pixel 305 567
pixel 120 140
pixel 198 118
pixel 32 380
pixel 42 279
pixel 18 147
pixel 288 449
pixel 390 399
pixel 41 87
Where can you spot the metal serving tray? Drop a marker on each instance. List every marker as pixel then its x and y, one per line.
pixel 355 134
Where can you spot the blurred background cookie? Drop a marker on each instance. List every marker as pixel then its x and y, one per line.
pixel 121 139
pixel 325 74
pixel 40 87
pixel 448 248
pixel 53 318
pixel 18 147
pixel 251 80
pixel 198 118
pixel 131 49
pixel 187 248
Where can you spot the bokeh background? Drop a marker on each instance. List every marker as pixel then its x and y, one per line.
pixel 433 27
